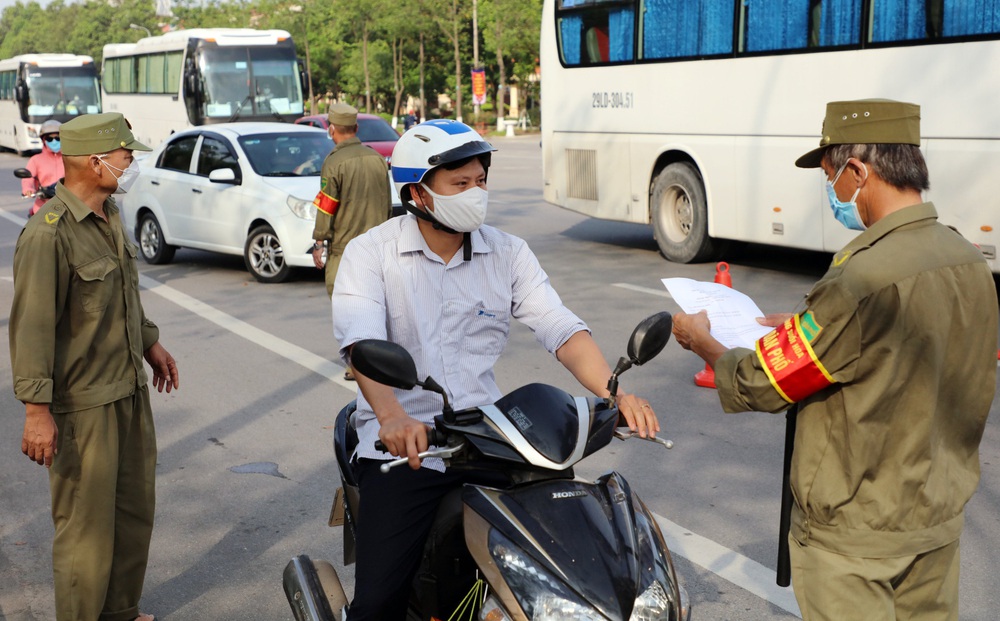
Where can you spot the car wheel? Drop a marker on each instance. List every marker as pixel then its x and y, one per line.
pixel 264 256
pixel 151 244
pixel 680 215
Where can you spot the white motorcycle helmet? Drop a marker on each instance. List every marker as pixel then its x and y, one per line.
pixel 431 144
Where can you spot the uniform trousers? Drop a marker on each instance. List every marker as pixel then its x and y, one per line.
pixel 834 587
pixel 396 512
pixel 102 485
pixel 330 269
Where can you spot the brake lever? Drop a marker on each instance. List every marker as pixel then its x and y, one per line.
pixel 443 452
pixel 624 433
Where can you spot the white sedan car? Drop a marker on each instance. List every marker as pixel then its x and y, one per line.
pixel 234 188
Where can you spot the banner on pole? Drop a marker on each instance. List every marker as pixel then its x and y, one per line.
pixel 478 86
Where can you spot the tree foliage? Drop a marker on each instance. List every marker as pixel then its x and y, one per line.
pixel 355 47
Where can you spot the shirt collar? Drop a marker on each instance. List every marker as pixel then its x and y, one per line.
pixel 78 209
pixel 346 143
pixel 891 222
pixel 411 239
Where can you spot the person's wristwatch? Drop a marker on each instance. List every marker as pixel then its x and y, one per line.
pixel 318 245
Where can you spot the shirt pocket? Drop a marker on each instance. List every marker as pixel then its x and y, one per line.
pixel 96 288
pixel 486 331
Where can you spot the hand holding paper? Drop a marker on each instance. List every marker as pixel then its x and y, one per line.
pixel 733 315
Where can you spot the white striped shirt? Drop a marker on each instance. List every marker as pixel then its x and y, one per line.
pixel 454 319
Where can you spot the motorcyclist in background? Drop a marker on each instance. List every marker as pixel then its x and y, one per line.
pixel 46 166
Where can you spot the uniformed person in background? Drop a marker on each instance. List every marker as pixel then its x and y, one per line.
pixel 354 192
pixel 892 365
pixel 78 336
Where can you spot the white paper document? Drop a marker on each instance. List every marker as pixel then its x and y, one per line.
pixel 733 315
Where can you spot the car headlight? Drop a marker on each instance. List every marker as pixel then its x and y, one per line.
pixel 32 132
pixel 302 207
pixel 542 596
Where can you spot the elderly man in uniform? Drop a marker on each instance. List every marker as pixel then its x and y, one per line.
pixel 354 193
pixel 892 367
pixel 78 336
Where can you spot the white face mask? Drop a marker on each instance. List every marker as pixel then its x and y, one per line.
pixel 127 178
pixel 463 212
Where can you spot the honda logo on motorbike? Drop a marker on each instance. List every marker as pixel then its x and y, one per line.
pixel 561 495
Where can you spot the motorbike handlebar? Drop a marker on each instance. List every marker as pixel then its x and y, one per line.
pixel 434 438
pixel 437 442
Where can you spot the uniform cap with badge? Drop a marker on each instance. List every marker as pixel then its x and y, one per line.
pixel 342 114
pixel 98 133
pixel 865 121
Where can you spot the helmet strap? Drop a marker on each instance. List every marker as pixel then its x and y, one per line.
pixel 423 215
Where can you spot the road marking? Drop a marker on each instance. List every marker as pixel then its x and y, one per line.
pixel 657 292
pixel 745 573
pixel 18 220
pixel 730 565
pixel 317 364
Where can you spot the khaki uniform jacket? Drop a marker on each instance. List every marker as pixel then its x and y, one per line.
pixel 895 381
pixel 77 328
pixel 355 180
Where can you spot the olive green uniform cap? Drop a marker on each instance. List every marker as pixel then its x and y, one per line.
pixel 342 114
pixel 865 121
pixel 98 133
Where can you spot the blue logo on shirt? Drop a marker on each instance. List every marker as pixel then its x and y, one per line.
pixel 483 313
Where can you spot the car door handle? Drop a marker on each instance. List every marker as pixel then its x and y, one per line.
pixel 196 190
pixel 155 182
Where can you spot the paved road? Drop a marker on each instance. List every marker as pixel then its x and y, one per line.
pixel 245 471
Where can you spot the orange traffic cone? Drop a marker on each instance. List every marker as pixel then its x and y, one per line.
pixel 706 378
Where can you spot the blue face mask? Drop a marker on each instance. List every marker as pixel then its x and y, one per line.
pixel 846 213
pixel 54 145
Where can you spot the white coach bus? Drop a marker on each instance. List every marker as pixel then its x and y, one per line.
pixel 689 114
pixel 195 77
pixel 37 87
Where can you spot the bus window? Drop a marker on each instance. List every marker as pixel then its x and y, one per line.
pixel 961 18
pixel 602 31
pixel 679 28
pixel 837 22
pixel 773 25
pixel 898 20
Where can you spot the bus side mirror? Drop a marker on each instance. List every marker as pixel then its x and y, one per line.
pixel 192 84
pixel 21 92
pixel 303 78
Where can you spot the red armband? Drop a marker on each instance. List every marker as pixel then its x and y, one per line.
pixel 789 359
pixel 326 203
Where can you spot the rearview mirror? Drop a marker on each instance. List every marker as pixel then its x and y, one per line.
pixel 649 338
pixel 223 175
pixel 23 173
pixel 384 362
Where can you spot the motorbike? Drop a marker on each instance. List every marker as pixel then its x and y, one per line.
pixel 545 546
pixel 43 191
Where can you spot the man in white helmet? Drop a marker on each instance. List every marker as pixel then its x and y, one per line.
pixel 444 286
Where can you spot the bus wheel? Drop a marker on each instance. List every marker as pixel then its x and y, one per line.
pixel 151 244
pixel 264 257
pixel 680 215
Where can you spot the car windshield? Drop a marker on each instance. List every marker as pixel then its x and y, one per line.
pixel 295 154
pixel 376 130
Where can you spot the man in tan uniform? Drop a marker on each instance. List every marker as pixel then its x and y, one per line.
pixel 78 335
pixel 354 192
pixel 892 364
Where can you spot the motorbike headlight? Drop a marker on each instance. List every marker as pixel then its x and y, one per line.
pixel 542 596
pixel 658 598
pixel 302 207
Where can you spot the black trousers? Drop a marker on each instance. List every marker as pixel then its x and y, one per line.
pixel 396 513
